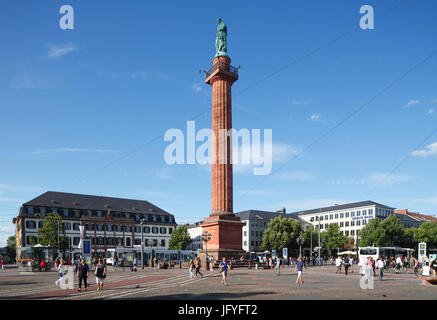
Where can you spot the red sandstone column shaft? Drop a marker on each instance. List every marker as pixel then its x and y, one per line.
pixel 221 167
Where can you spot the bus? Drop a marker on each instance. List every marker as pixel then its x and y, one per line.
pixel 127 255
pixel 376 252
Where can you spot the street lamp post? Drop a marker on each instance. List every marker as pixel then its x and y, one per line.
pixel 81 235
pixel 319 259
pixel 206 237
pixel 39 219
pixel 142 243
pixel 300 241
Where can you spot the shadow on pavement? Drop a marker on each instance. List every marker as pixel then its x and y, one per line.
pixel 206 296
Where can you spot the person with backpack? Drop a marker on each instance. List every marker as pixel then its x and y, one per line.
pixel 100 274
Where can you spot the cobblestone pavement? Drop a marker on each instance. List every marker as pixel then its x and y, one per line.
pixel 319 283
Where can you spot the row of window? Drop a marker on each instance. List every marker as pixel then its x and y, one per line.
pixel 254 233
pixel 111 241
pixel 344 224
pixel 97 213
pixel 344 215
pixel 31 224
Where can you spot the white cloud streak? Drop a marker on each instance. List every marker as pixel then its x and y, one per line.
pixel 428 151
pixel 56 51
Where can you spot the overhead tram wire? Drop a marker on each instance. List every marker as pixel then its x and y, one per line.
pixel 348 117
pixel 292 63
pixel 402 161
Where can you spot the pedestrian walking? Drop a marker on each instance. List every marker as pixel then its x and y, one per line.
pixel 224 267
pixel 155 263
pixel 191 268
pixel 122 263
pixel 398 264
pixel 433 266
pixel 299 266
pixel 338 263
pixel 380 264
pixel 369 268
pixel 100 274
pixel 197 265
pixel 346 265
pixel 134 268
pixel 60 268
pixel 351 264
pixel 416 267
pixel 277 266
pixel 3 263
pixel 83 272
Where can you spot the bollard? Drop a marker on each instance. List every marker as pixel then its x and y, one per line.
pixel 249 264
pixel 180 264
pixel 256 266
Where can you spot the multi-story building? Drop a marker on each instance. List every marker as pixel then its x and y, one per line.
pixel 108 222
pixel 351 217
pixel 413 219
pixel 256 222
pixel 195 232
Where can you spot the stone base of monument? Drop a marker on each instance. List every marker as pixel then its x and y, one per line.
pixel 226 237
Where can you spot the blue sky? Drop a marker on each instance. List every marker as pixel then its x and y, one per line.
pixel 75 104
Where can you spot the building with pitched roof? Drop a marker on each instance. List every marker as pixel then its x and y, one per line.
pixel 108 222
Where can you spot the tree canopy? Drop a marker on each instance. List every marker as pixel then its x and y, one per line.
pixel 48 233
pixel 281 233
pixel 333 239
pixel 179 239
pixel 11 246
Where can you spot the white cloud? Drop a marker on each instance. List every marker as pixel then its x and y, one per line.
pixel 412 103
pixel 430 111
pixel 300 205
pixel 56 51
pixel 140 75
pixel 375 179
pixel 300 176
pixel 60 150
pixel 27 81
pixel 429 150
pixel 296 102
pixel 383 179
pixel 314 117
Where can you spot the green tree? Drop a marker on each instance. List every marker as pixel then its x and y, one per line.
pixel 394 230
pixel 11 246
pixel 333 239
pixel 373 234
pixel 179 239
pixel 52 231
pixel 33 240
pixel 315 237
pixel 427 232
pixel 281 233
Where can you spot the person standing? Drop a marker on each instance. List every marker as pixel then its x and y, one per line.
pixel 299 267
pixel 60 268
pixel 224 267
pixel 3 263
pixel 135 264
pixel 100 274
pixel 155 263
pixel 338 263
pixel 346 264
pixel 83 272
pixel 277 266
pixel 380 266
pixel 398 264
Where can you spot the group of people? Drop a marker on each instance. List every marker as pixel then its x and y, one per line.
pixel 347 262
pixel 82 271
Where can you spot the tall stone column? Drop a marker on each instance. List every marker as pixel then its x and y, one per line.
pixel 223 226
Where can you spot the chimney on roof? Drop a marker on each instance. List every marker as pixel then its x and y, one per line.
pixel 280 210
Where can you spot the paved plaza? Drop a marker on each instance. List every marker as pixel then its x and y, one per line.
pixel 319 283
